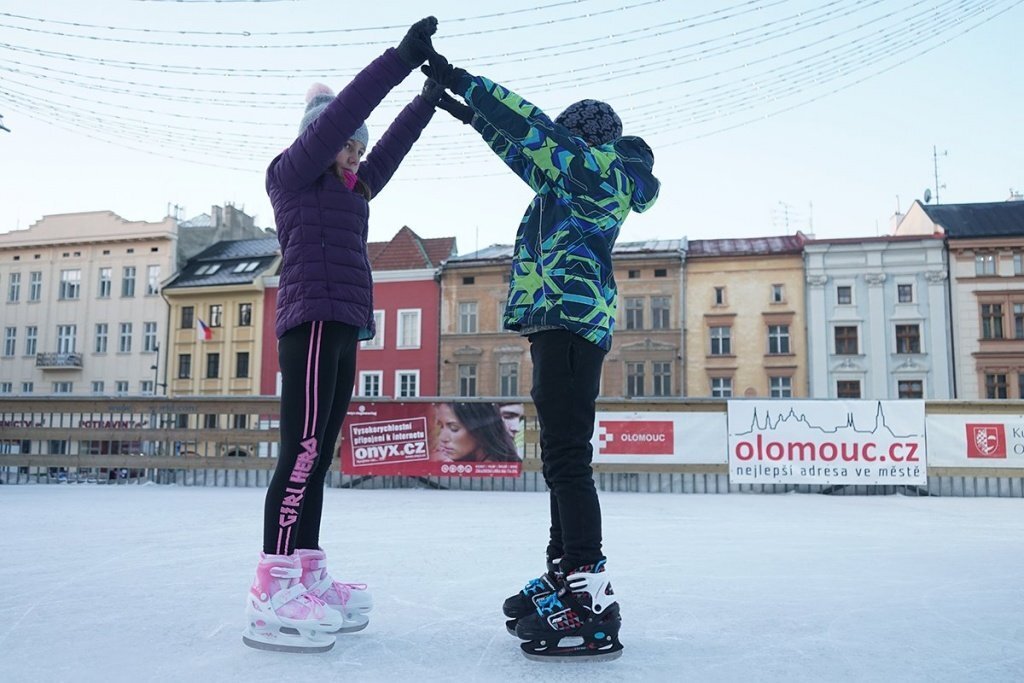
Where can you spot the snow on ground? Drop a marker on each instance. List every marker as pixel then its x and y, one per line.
pixel 147 583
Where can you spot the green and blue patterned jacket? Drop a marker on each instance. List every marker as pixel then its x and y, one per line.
pixel 562 261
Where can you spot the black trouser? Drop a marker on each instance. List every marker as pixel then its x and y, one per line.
pixel 318 368
pixel 566 382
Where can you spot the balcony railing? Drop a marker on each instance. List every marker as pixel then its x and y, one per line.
pixel 59 361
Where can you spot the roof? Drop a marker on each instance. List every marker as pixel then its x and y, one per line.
pixel 497 252
pixel 203 220
pixel 753 246
pixel 227 263
pixel 988 219
pixel 409 251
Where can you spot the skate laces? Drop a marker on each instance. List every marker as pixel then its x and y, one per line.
pixel 344 590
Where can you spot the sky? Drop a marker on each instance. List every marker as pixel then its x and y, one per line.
pixel 150 585
pixel 765 116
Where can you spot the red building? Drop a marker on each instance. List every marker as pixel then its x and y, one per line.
pixel 402 360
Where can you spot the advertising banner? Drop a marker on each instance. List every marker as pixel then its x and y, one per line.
pixel 659 438
pixel 992 441
pixel 827 442
pixel 433 440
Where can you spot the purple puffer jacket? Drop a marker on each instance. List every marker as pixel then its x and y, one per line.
pixel 321 224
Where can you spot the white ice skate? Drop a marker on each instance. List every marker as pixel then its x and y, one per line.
pixel 352 600
pixel 283 616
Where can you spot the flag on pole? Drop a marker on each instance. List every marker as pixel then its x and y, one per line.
pixel 203 331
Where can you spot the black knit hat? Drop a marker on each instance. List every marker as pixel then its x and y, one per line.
pixel 593 120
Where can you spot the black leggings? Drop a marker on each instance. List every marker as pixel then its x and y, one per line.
pixel 318 368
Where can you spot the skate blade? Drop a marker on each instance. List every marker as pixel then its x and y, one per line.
pixel 581 657
pixel 352 628
pixel 510 626
pixel 283 647
pixel 539 651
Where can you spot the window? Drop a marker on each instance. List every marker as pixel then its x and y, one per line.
pixel 369 384
pixel 778 339
pixel 633 274
pixel 660 272
pixel 187 317
pixel 210 422
pixel 101 338
pixel 635 379
pixel 719 296
pixel 778 294
pixel 216 315
pixel 409 328
pixel 184 365
pixel 14 288
pixel 660 312
pixel 246 267
pixel 991 321
pixel 152 280
pixel 106 276
pixel 10 340
pixel 721 387
pixel 64 387
pixel 407 383
pixel 28 387
pixel 995 386
pixel 212 365
pixel 242 364
pixel 467 317
pixel 35 286
pixel 378 340
pixel 6 387
pixel 469 280
pixel 661 374
pixel 66 338
pixel 634 313
pixel 908 339
pixel 844 295
pixel 1020 386
pixel 911 388
pixel 70 284
pixel 780 387
pixel 508 379
pixel 121 387
pixel 721 343
pixel 97 386
pixel 1018 323
pixel 245 315
pixel 208 269
pixel 1018 266
pixel 848 388
pixel 128 281
pixel 31 340
pixel 146 387
pixel 239 422
pixel 149 337
pixel 467 379
pixel 124 338
pixel 984 264
pixel 905 293
pixel 846 340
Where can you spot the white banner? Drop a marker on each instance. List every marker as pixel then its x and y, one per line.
pixel 827 442
pixel 993 441
pixel 640 437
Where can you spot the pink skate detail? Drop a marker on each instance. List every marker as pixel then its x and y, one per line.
pixel 336 594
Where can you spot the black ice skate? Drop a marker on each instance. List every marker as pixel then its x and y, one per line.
pixel 524 602
pixel 579 622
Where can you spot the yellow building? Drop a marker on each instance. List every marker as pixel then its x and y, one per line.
pixel 745 329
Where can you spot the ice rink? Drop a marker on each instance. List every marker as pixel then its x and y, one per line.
pixel 147 583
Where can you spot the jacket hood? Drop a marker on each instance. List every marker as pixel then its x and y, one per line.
pixel 637 157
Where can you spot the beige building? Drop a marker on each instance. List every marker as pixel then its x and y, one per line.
pixel 745 330
pixel 479 358
pixel 81 311
pixel 985 242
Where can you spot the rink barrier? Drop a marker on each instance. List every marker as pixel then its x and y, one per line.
pixel 188 442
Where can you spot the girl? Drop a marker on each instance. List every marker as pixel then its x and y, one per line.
pixel 320 188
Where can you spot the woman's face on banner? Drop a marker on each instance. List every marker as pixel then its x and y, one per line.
pixel 454 442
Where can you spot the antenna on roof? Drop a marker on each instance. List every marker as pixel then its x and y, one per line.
pixel 935 161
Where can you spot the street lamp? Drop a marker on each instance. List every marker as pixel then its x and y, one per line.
pixel 155 367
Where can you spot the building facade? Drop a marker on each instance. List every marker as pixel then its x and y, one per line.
pixel 82 312
pixel 745 329
pixel 985 243
pixel 877 318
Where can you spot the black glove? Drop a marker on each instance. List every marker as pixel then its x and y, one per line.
pixel 432 91
pixel 445 74
pixel 416 47
pixel 454 107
